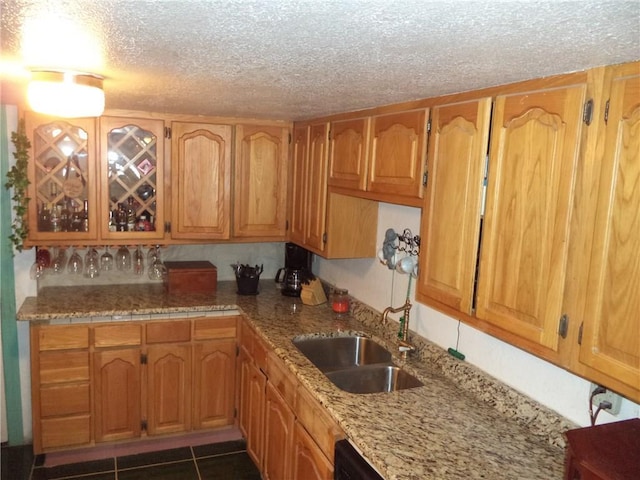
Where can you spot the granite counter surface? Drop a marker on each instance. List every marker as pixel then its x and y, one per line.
pixel 460 424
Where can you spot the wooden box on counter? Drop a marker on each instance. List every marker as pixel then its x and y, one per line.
pixel 195 276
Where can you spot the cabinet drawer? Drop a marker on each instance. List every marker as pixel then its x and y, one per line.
pixel 66 431
pixel 165 332
pixel 214 328
pixel 59 400
pixel 63 337
pixel 282 379
pixel 117 335
pixel 246 337
pixel 317 421
pixel 58 367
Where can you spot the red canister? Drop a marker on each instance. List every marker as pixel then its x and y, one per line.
pixel 340 301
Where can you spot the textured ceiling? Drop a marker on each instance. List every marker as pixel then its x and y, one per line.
pixel 295 59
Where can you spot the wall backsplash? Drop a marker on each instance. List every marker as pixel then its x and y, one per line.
pixel 271 255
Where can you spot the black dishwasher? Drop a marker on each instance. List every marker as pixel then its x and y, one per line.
pixel 349 464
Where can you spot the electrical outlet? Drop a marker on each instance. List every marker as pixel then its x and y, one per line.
pixel 607 396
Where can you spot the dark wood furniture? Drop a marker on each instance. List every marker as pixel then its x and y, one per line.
pixel 604 452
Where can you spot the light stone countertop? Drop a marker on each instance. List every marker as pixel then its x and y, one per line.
pixel 460 424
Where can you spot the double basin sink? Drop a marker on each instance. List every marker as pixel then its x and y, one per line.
pixel 356 364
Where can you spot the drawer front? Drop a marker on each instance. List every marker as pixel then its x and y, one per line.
pixel 317 421
pixel 117 335
pixel 169 332
pixel 59 400
pixel 66 431
pixel 63 337
pixel 215 328
pixel 281 379
pixel 246 337
pixel 59 367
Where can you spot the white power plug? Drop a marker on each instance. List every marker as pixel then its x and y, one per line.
pixel 607 396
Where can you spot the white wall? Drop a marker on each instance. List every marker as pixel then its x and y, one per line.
pixel 374 284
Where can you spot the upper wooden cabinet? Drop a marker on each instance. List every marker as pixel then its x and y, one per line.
pixel 450 226
pixel 327 223
pixel 349 153
pixel 502 268
pixel 380 157
pixel 200 181
pixel 260 189
pixel 535 147
pixel 549 263
pixel 397 153
pixel 316 178
pixel 131 179
pixel 298 184
pixel 63 179
pixel 611 329
pixel 309 186
pixel 117 168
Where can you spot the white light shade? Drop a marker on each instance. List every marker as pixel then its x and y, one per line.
pixel 66 94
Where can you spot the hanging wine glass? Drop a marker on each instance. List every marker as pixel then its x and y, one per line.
pixel 92 264
pixel 36 271
pixel 40 264
pixel 106 260
pixel 138 261
pixel 123 259
pixel 75 265
pixel 59 261
pixel 157 270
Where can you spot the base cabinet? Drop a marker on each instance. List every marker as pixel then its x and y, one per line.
pixel 253 384
pixel 61 385
pixel 289 435
pixel 168 389
pixel 117 386
pixel 308 460
pixel 122 381
pixel 278 431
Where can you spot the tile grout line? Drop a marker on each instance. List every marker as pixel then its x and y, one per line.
pixel 195 461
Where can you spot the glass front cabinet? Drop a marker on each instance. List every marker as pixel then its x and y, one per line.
pixel 62 178
pixel 95 180
pixel 131 179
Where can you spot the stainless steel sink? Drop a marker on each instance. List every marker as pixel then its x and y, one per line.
pixel 373 379
pixel 356 364
pixel 336 353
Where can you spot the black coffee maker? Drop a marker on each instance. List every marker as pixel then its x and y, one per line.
pixel 296 271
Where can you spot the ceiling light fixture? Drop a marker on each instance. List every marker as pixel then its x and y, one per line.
pixel 66 94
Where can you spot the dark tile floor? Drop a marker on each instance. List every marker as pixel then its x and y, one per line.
pixel 220 461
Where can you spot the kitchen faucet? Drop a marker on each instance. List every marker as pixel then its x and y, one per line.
pixel 403 343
